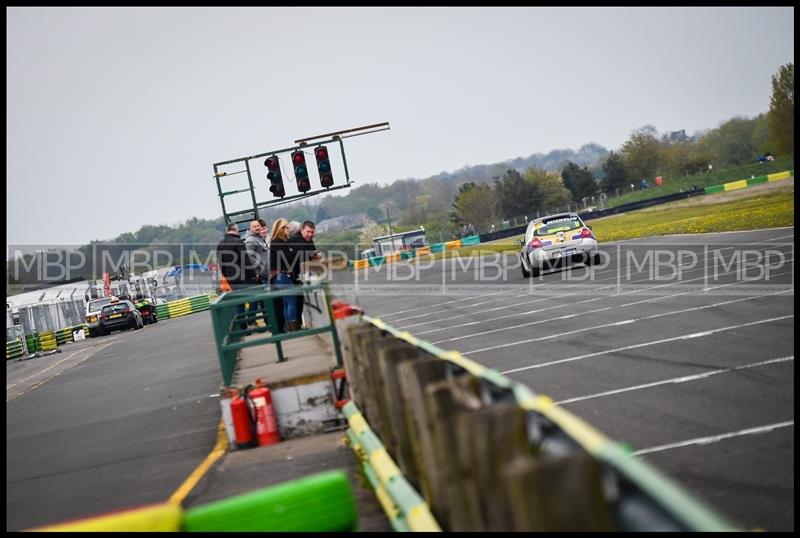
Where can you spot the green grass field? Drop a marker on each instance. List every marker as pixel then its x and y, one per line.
pixel 730 211
pixel 677 184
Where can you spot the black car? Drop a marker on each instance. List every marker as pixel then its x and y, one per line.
pixel 148 311
pixel 119 315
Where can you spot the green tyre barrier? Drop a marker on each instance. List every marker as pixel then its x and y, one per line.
pixel 437 247
pixel 14 349
pixel 319 503
pixel 715 189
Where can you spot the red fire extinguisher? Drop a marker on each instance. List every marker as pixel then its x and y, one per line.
pixel 260 401
pixel 242 427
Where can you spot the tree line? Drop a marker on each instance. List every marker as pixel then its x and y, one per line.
pixel 644 156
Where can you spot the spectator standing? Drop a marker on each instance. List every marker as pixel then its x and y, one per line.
pixel 235 263
pixel 257 249
pixel 264 231
pixel 281 257
pixel 303 242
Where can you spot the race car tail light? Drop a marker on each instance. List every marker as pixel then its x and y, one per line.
pixel 586 233
pixel 535 243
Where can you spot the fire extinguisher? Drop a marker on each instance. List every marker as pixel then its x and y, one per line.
pixel 242 424
pixel 260 402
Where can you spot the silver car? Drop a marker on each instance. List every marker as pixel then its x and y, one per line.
pixel 93 308
pixel 556 239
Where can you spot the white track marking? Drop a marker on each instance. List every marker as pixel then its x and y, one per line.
pixel 40 383
pixel 623 322
pixel 645 344
pixel 406 327
pixel 715 438
pixel 683 379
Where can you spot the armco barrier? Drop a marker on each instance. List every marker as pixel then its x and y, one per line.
pixel 733 185
pixel 471 240
pixel 757 180
pixel 407 511
pixel 777 176
pixel 453 244
pixel 437 247
pixel 743 183
pixel 487 454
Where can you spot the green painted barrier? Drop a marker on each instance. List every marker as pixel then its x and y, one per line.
pixel 406 254
pixel 437 247
pixel 376 260
pixel 714 189
pixel 471 240
pixel 319 503
pixel 757 180
pixel 14 349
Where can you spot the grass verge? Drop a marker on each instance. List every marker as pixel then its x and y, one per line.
pixel 732 211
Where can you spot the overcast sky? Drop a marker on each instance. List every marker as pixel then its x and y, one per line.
pixel 128 108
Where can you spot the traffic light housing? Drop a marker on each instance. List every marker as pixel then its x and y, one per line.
pixel 301 171
pixel 324 166
pixel 274 176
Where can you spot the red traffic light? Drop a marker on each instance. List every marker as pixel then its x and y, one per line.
pixel 272 162
pixel 323 166
pixel 298 158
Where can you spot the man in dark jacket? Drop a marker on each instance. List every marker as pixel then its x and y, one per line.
pixel 235 263
pixel 303 243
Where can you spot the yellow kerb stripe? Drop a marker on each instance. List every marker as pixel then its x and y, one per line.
pixel 219 449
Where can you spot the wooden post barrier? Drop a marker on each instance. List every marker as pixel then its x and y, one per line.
pixel 389 361
pixel 447 402
pixel 488 440
pixel 557 494
pixel 414 376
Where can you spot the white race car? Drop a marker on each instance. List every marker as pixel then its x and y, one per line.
pixel 555 239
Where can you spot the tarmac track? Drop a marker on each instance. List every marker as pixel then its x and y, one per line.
pixel 687 357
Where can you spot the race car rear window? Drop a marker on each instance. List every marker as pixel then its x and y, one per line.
pixel 94 306
pixel 558 225
pixel 114 308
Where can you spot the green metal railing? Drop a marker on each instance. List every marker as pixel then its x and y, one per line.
pixel 231 326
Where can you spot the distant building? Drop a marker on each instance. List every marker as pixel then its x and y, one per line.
pixel 399 241
pixel 345 222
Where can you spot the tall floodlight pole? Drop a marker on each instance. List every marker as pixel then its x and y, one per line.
pixel 389 221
